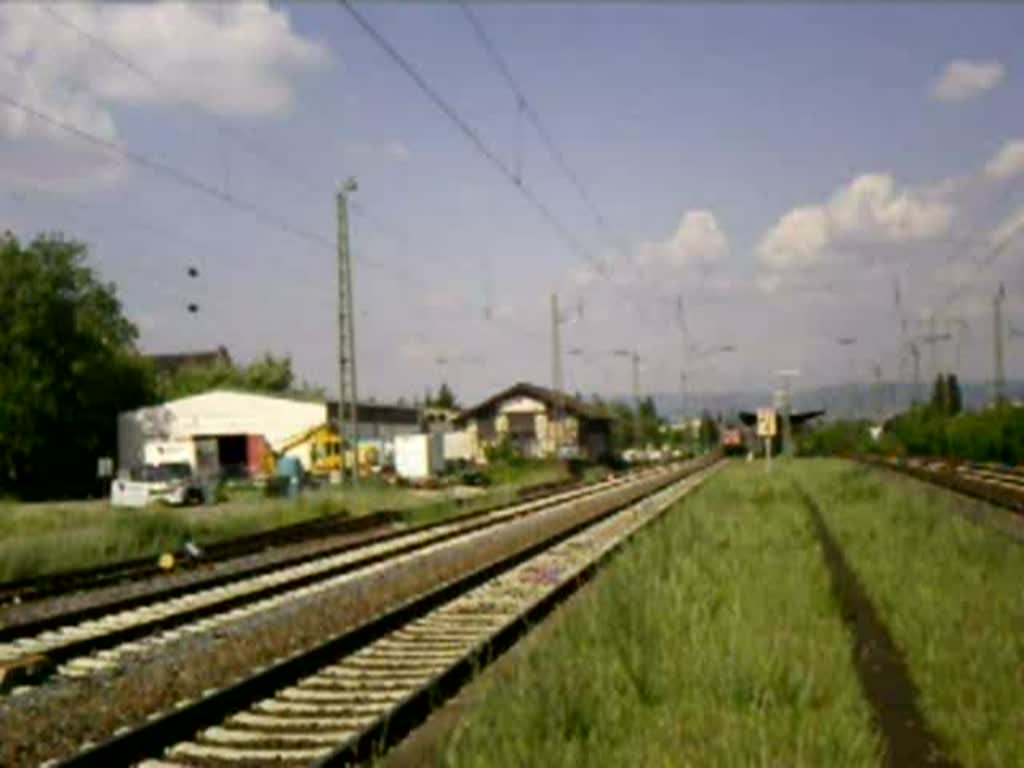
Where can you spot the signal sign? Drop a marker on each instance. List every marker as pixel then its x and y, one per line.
pixel 766 422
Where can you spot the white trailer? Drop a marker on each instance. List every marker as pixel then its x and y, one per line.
pixel 458 446
pixel 418 457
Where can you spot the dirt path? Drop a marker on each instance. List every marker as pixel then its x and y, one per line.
pixel 882 672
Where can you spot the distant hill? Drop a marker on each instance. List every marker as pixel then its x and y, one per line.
pixel 840 402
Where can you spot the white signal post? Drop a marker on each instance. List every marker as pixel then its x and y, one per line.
pixel 767 426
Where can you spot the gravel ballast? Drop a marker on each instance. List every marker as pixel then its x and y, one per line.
pixel 54 720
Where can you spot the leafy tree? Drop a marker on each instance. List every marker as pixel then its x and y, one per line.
pixel 649 422
pixel 623 426
pixel 68 366
pixel 268 374
pixel 445 397
pixel 708 430
pixel 940 394
pixel 956 399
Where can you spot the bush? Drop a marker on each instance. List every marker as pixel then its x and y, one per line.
pixel 504 452
pixel 839 438
pixel 993 435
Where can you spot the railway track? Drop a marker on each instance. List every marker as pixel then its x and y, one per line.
pixel 995 485
pixel 42 587
pixel 349 697
pixel 99 638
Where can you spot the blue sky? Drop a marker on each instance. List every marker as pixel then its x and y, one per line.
pixel 696 130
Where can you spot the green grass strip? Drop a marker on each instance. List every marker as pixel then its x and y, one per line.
pixel 712 641
pixel 41 538
pixel 950 593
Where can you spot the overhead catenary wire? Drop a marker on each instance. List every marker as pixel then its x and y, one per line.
pixel 473 137
pixel 525 106
pixel 177 294
pixel 996 250
pixel 173 174
pixel 168 171
pixel 245 140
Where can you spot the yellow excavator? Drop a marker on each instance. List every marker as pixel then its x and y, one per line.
pixel 325 451
pixel 328 453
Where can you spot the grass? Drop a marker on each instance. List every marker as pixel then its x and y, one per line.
pixel 522 473
pixel 713 641
pixel 39 539
pixel 950 593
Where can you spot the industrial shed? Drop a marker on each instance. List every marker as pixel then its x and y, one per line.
pixel 380 421
pixel 539 422
pixel 239 426
pixel 233 431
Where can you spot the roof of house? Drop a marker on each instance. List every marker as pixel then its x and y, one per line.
pixel 750 417
pixel 570 404
pixel 378 413
pixel 173 362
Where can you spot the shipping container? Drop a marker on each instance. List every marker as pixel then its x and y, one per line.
pixel 418 457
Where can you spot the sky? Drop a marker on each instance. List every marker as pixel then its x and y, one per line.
pixel 733 188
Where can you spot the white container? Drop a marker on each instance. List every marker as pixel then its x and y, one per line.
pixel 457 446
pixel 418 457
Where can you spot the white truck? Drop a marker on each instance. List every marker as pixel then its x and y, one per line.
pixel 172 483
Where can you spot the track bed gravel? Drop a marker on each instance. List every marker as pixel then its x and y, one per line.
pixel 54 720
pixel 17 615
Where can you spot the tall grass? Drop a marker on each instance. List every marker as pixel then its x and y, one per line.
pixel 713 641
pixel 949 591
pixel 38 539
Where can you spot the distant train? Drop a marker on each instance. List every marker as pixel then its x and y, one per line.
pixel 732 442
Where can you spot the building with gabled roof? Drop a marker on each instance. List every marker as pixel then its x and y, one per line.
pixel 538 422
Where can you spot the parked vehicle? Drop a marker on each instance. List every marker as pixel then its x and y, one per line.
pixel 171 483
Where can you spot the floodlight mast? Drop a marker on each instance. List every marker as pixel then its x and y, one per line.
pixel 787 375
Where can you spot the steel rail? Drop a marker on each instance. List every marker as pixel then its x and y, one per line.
pixel 67 638
pixel 490 621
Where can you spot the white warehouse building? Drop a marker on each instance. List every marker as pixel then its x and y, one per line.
pixel 235 424
pixel 233 430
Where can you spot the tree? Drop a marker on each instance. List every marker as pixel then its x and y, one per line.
pixel 68 366
pixel 445 397
pixel 940 394
pixel 956 400
pixel 268 374
pixel 649 423
pixel 623 426
pixel 708 430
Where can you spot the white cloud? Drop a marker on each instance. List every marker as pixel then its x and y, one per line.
pixel 871 207
pixel 417 351
pixel 870 210
pixel 1009 229
pixel 447 299
pixel 1007 162
pixel 698 239
pixel 965 79
pixel 768 284
pixel 797 240
pixel 236 59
